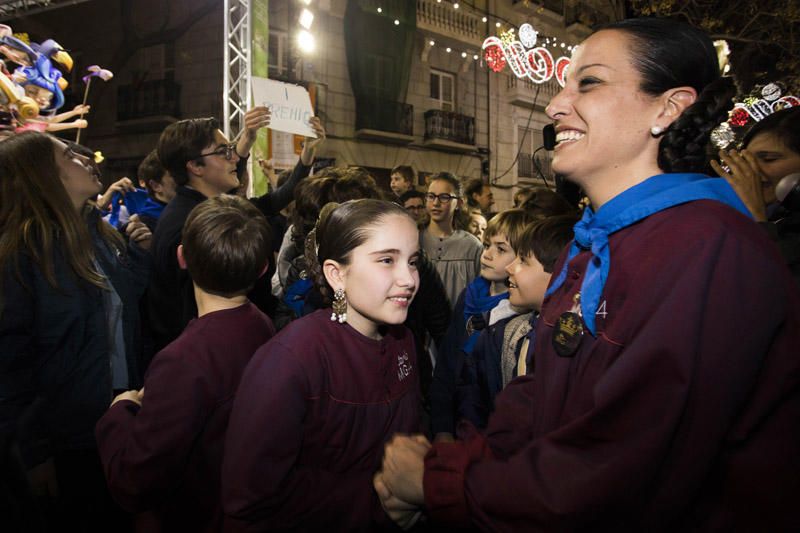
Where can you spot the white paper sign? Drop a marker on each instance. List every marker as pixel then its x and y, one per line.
pixel 290 105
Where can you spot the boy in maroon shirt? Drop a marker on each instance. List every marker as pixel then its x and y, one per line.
pixel 164 454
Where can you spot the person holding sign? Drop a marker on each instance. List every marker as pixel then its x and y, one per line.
pixel 205 164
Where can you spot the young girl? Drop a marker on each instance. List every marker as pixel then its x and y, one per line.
pixel 318 402
pixel 456 253
pixel 666 389
pixel 68 325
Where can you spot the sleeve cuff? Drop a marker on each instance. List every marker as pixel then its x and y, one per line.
pixel 444 480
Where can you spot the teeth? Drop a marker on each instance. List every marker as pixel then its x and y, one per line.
pixel 399 299
pixel 569 135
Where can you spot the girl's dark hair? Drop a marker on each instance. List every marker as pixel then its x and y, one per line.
pixel 341 229
pixel 669 53
pixel 37 215
pixel 784 124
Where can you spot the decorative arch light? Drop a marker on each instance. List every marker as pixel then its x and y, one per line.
pixel 525 59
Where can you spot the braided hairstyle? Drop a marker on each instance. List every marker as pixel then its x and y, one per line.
pixel 668 54
pixel 342 228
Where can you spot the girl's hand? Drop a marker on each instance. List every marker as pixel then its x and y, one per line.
pixel 746 179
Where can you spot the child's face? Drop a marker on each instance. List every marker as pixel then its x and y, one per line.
pixel 381 279
pixel 497 255
pixel 527 282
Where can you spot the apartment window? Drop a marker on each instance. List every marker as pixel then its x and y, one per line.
pixel 155 62
pixel 278 53
pixel 528 141
pixel 443 90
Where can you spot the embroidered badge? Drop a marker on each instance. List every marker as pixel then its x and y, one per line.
pixel 403 366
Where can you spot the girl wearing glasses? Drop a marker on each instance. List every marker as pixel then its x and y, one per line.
pixel 455 252
pixel 666 388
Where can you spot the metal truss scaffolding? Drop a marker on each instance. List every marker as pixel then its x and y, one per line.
pixel 236 95
pixel 12 9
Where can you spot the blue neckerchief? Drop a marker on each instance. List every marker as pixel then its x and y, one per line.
pixel 640 201
pixel 295 296
pixel 138 202
pixel 478 301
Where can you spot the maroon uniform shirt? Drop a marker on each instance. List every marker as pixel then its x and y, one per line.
pixel 682 414
pixel 314 409
pixel 166 456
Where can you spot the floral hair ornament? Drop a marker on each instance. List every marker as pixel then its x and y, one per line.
pixel 756 106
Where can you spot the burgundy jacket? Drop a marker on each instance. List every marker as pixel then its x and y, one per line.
pixel 314 409
pixel 166 456
pixel 682 414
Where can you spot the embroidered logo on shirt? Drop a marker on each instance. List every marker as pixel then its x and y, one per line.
pixel 403 366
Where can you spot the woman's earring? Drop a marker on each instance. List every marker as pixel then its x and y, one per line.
pixel 339 306
pixel 655 131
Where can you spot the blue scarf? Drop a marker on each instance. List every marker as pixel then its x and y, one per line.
pixel 477 301
pixel 138 202
pixel 640 201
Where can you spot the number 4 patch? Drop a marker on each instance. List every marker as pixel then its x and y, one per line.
pixel 602 310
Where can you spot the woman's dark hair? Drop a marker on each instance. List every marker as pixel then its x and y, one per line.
pixel 784 124
pixel 669 53
pixel 341 229
pixel 333 184
pixel 541 201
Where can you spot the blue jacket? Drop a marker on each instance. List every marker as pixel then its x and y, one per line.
pixel 55 367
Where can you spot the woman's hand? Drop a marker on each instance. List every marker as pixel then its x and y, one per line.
pixel 744 176
pixel 404 467
pixel 138 232
pixel 402 513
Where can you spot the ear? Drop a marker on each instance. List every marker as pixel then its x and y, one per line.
pixel 181 258
pixel 155 186
pixel 335 273
pixel 675 102
pixel 194 167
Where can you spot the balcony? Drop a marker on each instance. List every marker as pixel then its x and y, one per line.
pixel 580 18
pixel 462 24
pixel 384 120
pixel 555 6
pixel 449 131
pixel 521 92
pixel 148 106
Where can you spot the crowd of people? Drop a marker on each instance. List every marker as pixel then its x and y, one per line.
pixel 333 356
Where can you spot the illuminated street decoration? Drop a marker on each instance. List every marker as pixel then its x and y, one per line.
pixel 523 57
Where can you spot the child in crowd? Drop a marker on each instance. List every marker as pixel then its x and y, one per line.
pixel 482 304
pixel 160 186
pixel 319 401
pixel 163 453
pixel 456 253
pixel 506 351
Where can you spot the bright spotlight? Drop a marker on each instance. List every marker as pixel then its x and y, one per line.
pixel 306 19
pixel 306 41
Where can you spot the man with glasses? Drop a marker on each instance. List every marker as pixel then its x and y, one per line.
pixel 414 202
pixel 205 164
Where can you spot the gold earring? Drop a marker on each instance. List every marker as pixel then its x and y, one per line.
pixel 339 306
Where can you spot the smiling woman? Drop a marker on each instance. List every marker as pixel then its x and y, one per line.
pixel 330 389
pixel 666 383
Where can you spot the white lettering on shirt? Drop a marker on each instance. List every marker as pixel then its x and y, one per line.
pixel 403 366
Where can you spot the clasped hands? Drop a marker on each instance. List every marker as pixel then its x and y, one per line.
pixel 399 482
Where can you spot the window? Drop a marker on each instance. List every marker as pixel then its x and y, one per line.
pixel 155 62
pixel 278 53
pixel 443 90
pixel 377 75
pixel 527 143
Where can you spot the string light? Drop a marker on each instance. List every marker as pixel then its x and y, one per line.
pixel 380 10
pixel 455 5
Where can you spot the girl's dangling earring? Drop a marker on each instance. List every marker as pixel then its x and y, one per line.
pixel 339 306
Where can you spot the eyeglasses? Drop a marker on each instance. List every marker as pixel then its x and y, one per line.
pixel 226 150
pixel 443 198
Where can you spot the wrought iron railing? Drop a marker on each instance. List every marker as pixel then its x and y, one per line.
pixel 384 115
pixel 449 126
pixel 148 99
